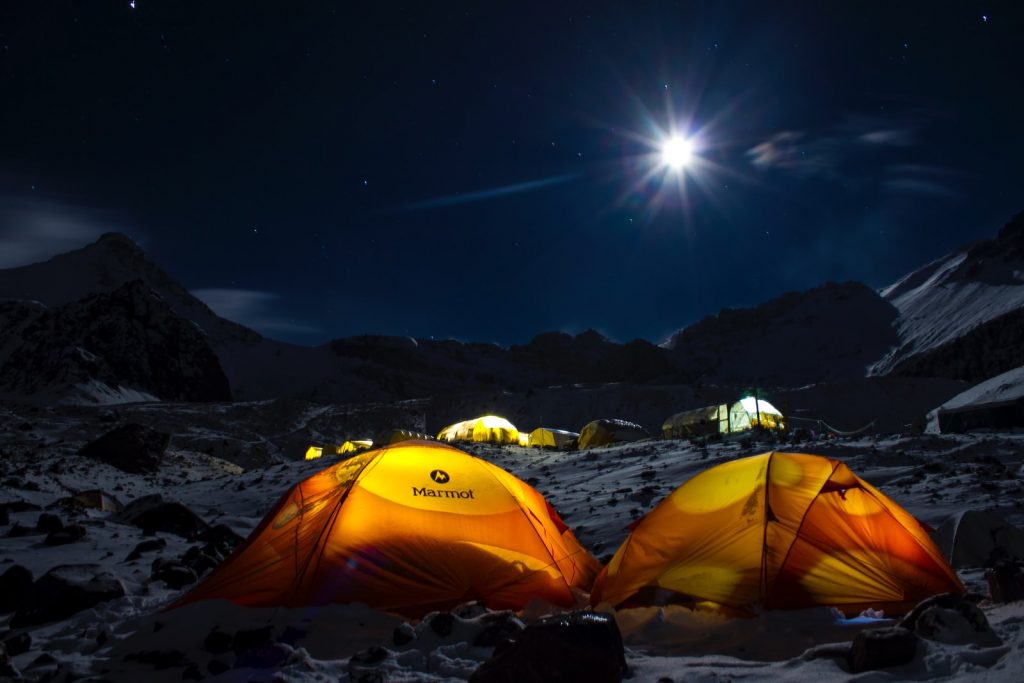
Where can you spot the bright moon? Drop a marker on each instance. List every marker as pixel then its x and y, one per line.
pixel 675 153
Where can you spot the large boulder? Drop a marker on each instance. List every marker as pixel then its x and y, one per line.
pixel 66 590
pixel 949 618
pixel 131 448
pixel 881 648
pixel 579 646
pixel 153 513
pixel 15 583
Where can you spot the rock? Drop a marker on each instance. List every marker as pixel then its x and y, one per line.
pixel 65 590
pixel 152 514
pixel 198 560
pixel 174 574
pixel 579 646
pixel 7 669
pixel 159 659
pixel 403 634
pixel 270 655
pixel 16 643
pixel 881 648
pixel 1006 580
pixel 19 530
pixel 68 534
pixel 218 642
pixel 132 448
pixel 19 505
pixel 15 584
pixel 498 628
pixel 148 546
pixel 949 618
pixel 5 518
pixel 221 536
pixel 93 499
pixel 363 666
pixel 48 523
pixel 251 639
pixel 216 667
pixel 441 623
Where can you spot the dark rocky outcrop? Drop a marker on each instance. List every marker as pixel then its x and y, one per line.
pixel 64 591
pixel 127 339
pixel 153 513
pixel 882 648
pixel 15 583
pixel 579 646
pixel 131 448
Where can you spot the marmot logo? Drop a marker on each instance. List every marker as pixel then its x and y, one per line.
pixel 440 476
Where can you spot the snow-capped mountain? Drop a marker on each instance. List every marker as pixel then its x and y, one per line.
pixel 961 316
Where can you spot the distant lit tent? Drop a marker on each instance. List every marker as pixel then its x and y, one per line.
pixel 524 439
pixel 744 415
pixel 546 437
pixel 412 528
pixel 699 422
pixel 778 531
pixel 390 438
pixel 751 412
pixel 314 452
pixel 487 429
pixel 354 446
pixel 603 432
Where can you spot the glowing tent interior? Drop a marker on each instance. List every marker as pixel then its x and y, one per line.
pixel 779 531
pixel 412 528
pixel 488 428
pixel 604 432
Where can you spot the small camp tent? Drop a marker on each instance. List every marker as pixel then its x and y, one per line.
pixel 603 432
pixel 314 452
pixel 410 528
pixel 488 428
pixel 545 437
pixel 700 422
pixel 751 412
pixel 781 531
pixel 524 439
pixel 354 446
pixel 975 538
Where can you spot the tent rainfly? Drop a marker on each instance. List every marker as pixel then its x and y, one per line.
pixel 545 437
pixel 741 416
pixel 487 429
pixel 778 531
pixel 603 432
pixel 410 529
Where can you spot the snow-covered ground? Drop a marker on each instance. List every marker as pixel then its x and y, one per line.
pixel 598 492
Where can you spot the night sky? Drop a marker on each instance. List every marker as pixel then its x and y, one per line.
pixel 488 171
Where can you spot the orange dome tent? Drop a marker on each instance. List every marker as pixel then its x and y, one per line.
pixel 411 528
pixel 779 531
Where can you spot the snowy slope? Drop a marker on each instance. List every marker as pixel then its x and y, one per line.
pixel 957 294
pixel 598 492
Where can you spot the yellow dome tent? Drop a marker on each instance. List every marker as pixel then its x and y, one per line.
pixel 544 437
pixel 489 429
pixel 354 446
pixel 779 531
pixel 603 432
pixel 410 529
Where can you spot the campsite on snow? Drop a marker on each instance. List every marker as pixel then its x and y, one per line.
pixel 187 499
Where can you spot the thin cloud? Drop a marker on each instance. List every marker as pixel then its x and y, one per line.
pixel 892 137
pixel 793 151
pixel 32 231
pixel 485 195
pixel 921 179
pixel 253 308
